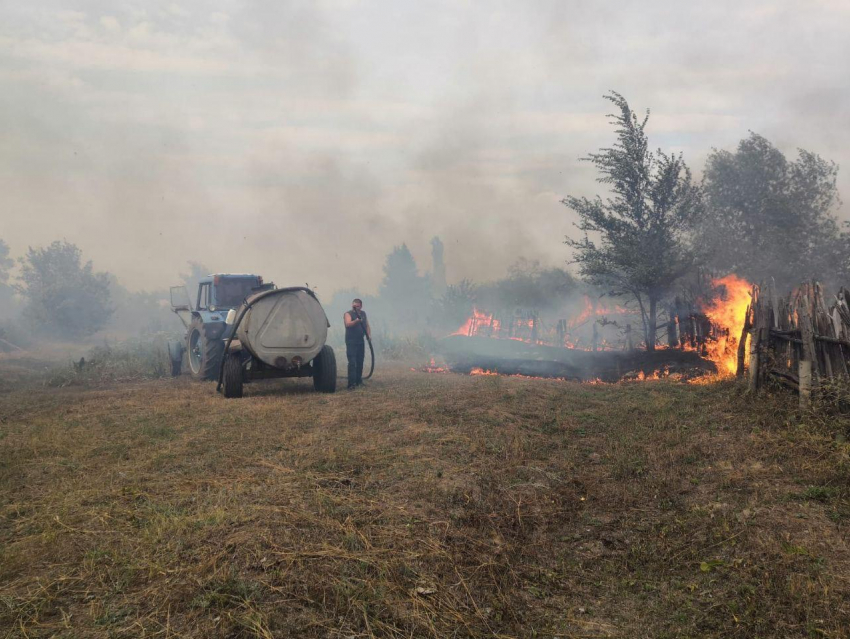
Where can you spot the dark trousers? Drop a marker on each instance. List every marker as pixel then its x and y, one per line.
pixel 356 353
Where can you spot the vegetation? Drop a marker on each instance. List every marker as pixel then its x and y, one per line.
pixel 767 216
pixel 64 296
pixel 6 290
pixel 636 240
pixel 424 506
pixel 404 292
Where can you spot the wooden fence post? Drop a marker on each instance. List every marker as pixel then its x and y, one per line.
pixel 742 344
pixel 805 373
pixel 755 337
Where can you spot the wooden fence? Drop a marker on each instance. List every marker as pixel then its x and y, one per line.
pixel 801 340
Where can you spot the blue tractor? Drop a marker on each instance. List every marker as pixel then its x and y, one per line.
pixel 205 320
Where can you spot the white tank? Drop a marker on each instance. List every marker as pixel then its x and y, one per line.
pixel 284 327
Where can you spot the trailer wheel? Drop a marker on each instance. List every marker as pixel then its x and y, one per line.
pixel 324 370
pixel 233 375
pixel 205 351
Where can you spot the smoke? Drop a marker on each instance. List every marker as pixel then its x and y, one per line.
pixel 304 140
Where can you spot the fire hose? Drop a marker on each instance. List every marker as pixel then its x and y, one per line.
pixel 369 340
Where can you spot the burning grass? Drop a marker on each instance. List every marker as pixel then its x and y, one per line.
pixel 423 506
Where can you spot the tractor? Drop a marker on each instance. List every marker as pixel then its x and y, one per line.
pixel 242 329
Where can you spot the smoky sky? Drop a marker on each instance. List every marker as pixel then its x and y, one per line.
pixel 302 140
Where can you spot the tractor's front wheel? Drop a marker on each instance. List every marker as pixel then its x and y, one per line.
pixel 324 370
pixel 233 375
pixel 205 351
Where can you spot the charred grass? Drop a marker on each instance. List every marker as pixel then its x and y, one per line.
pixel 421 506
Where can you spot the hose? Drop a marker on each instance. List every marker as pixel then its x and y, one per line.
pixel 371 348
pixel 246 306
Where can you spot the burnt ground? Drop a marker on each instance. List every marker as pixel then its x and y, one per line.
pixel 426 505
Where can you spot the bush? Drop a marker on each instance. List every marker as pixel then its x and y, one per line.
pixel 127 361
pixel 406 348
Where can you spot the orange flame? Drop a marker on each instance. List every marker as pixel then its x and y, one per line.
pixel 475 322
pixel 728 313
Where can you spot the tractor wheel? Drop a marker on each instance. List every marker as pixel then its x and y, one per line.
pixel 233 375
pixel 176 367
pixel 324 370
pixel 204 351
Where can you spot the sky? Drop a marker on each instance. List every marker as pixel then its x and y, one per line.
pixel 302 140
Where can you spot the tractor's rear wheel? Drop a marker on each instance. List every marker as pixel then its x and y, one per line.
pixel 205 351
pixel 233 375
pixel 324 370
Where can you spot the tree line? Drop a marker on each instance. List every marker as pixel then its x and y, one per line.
pixel 755 213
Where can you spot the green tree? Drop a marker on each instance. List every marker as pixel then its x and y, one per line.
pixel 63 295
pixel 767 216
pixel 438 265
pixel 529 285
pixel 456 304
pixel 636 240
pixel 404 291
pixel 6 291
pixel 197 272
pixel 6 263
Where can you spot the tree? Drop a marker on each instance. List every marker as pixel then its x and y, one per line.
pixel 438 277
pixel 403 289
pixel 62 294
pixel 6 263
pixel 197 272
pixel 6 291
pixel 770 217
pixel 529 286
pixel 456 303
pixel 639 245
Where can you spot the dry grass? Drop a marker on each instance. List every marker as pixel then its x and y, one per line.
pixel 422 506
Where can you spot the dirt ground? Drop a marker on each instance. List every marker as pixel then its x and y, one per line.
pixel 425 505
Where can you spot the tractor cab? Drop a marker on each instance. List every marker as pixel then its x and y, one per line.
pixel 226 291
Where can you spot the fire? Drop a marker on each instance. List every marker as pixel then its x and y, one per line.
pixel 476 322
pixel 712 327
pixel 432 367
pixel 531 329
pixel 728 313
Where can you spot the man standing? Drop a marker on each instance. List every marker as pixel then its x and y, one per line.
pixel 356 330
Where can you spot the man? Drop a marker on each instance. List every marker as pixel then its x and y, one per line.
pixel 356 330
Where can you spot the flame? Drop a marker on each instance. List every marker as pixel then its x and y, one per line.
pixel 728 313
pixel 432 367
pixel 475 322
pixel 532 330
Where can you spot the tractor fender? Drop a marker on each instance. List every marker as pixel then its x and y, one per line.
pixel 176 348
pixel 213 322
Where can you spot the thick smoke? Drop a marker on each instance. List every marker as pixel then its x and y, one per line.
pixel 304 140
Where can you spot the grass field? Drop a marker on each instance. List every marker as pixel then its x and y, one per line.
pixel 426 505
